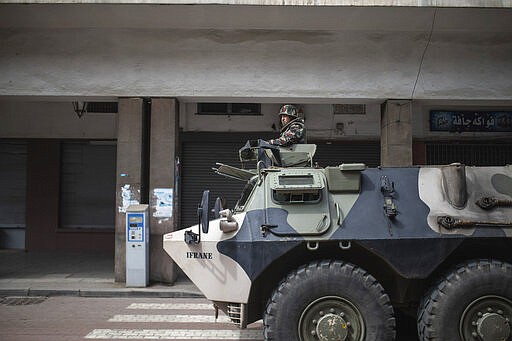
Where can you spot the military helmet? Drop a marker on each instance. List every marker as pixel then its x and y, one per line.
pixel 288 110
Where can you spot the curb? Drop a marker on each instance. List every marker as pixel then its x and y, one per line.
pixel 102 293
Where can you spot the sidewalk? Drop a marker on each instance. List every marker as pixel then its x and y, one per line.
pixel 75 274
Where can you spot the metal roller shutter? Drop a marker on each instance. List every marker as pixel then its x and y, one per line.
pixel 13 182
pixel 200 152
pixel 469 153
pixel 88 184
pixel 348 152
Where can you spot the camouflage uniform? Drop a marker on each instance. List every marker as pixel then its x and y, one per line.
pixel 294 131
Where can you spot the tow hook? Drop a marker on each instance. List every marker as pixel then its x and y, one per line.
pixel 191 237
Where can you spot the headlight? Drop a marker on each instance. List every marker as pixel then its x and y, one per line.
pixel 228 224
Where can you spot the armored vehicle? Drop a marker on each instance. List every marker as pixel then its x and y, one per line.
pixel 333 253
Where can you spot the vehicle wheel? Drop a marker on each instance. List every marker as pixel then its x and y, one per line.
pixel 473 302
pixel 329 300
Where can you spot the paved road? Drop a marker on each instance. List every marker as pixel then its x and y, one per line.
pixel 77 318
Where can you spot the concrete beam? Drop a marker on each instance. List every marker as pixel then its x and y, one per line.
pixel 319 54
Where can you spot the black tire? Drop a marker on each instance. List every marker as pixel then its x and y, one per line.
pixel 329 292
pixel 476 297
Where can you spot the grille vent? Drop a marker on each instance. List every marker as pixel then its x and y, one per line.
pixel 102 107
pixel 22 300
pixel 349 109
pixel 236 313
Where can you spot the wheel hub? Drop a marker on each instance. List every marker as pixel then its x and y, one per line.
pixel 486 319
pixel 493 326
pixel 331 318
pixel 332 327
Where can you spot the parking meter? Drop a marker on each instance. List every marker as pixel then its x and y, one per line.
pixel 137 246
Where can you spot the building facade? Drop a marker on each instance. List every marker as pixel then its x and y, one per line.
pixel 169 88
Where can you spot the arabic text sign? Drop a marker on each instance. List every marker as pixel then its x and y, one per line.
pixel 459 121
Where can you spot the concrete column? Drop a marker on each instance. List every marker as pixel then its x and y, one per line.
pixel 396 133
pixel 129 172
pixel 162 191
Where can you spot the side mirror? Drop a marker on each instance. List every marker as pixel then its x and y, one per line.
pixel 203 212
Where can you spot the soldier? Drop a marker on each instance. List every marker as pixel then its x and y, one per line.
pixel 293 129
